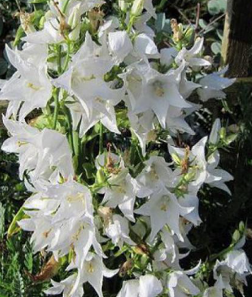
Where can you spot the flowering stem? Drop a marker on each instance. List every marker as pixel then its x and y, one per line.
pixel 69 122
pixel 76 143
pixel 101 140
pixel 59 59
pixel 67 57
pixel 56 108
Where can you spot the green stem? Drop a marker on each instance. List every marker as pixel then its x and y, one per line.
pixel 65 6
pixel 69 122
pixel 59 59
pixel 101 140
pixel 56 108
pixel 76 144
pixel 161 5
pixel 67 57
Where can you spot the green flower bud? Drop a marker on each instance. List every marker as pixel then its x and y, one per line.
pixel 176 159
pixel 236 236
pixel 137 7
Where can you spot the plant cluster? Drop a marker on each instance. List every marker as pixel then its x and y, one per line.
pixel 98 117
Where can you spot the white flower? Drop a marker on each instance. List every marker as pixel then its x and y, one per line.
pixel 29 85
pixel 175 121
pixel 86 121
pixel 163 209
pixel 143 126
pixel 141 25
pixel 145 47
pixel 204 171
pixel 180 285
pixel 65 287
pixel 122 192
pixel 213 292
pixel 48 35
pixel 93 272
pixel 191 200
pixel 191 57
pixel 168 253
pixel 118 231
pixel 146 286
pixel 120 44
pixel 167 56
pixel 157 92
pixel 43 154
pixel 235 266
pixel 61 219
pixel 53 31
pixel 156 174
pixel 84 80
pixel 213 85
pixel 221 175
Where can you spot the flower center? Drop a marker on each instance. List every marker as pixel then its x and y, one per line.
pixel 153 173
pixel 90 268
pixel 158 88
pixel 75 198
pixel 32 86
pixel 21 143
pixel 164 203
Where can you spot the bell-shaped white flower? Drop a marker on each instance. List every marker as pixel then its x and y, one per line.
pixel 118 231
pixel 85 81
pixel 66 287
pixel 43 154
pixel 61 219
pixel 86 121
pixel 120 44
pixel 213 292
pixel 156 91
pixel 191 57
pixel 204 171
pixel 235 267
pixel 213 84
pixel 156 174
pixel 122 193
pixel 62 15
pixel 163 209
pixel 30 85
pixel 93 272
pixel 147 286
pixel 180 285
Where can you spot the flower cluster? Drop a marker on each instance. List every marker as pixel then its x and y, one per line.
pixel 91 79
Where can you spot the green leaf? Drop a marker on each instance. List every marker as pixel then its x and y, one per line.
pixel 20 33
pixel 217 6
pixel 14 228
pixel 216 47
pixel 37 1
pixel 160 22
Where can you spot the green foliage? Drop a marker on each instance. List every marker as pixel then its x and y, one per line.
pixel 217 6
pixel 17 263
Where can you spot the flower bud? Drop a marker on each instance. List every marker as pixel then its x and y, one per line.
pixel 137 7
pixel 236 236
pixel 26 22
pixel 74 23
pixel 176 159
pixel 123 5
